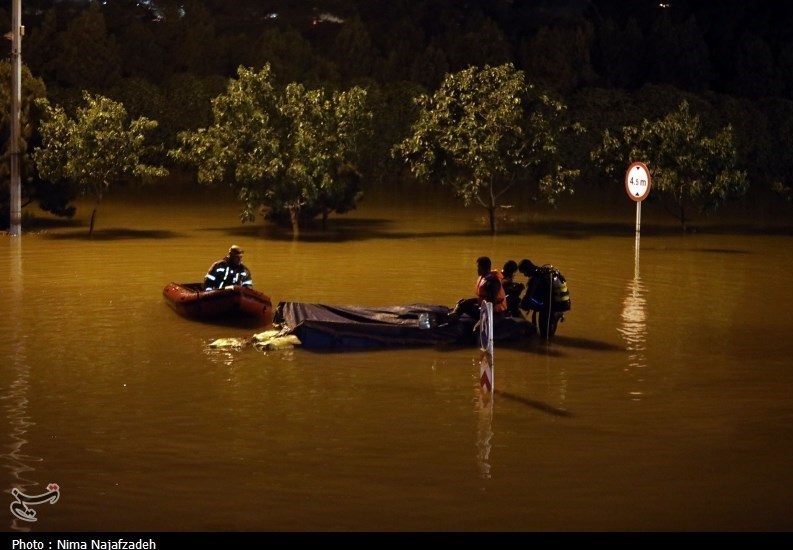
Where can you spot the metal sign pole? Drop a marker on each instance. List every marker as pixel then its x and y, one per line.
pixel 15 222
pixel 636 257
pixel 637 185
pixel 638 237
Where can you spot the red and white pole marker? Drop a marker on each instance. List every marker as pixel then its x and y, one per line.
pixel 486 375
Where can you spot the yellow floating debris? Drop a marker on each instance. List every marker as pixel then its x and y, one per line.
pixel 229 343
pixel 266 335
pixel 278 342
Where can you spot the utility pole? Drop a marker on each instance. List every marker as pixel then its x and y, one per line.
pixel 15 227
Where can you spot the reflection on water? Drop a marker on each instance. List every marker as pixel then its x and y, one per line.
pixel 128 402
pixel 15 397
pixel 486 388
pixel 634 331
pixel 634 325
pixel 484 433
pixel 556 382
pixel 223 357
pixel 15 404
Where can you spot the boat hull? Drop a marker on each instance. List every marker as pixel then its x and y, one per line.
pixel 320 326
pixel 236 302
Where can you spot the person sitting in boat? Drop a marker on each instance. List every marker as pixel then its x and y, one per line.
pixel 229 271
pixel 488 288
pixel 546 296
pixel 512 288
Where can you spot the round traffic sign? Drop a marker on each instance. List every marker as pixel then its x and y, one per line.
pixel 637 181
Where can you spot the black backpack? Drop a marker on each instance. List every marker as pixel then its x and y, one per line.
pixel 550 284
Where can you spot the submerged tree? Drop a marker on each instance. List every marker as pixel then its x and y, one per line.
pixel 100 146
pixel 783 190
pixel 692 173
pixel 484 131
pixel 53 198
pixel 288 150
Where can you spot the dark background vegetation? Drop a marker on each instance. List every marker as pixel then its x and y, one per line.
pixel 614 62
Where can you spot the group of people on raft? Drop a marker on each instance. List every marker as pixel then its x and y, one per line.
pixel 546 298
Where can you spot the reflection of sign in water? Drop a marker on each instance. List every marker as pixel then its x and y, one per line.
pixel 486 348
pixel 634 327
pixel 20 506
pixel 484 435
pixel 485 431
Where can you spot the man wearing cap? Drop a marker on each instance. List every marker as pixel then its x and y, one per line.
pixel 229 271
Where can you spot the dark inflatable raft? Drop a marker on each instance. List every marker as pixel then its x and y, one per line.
pixel 320 326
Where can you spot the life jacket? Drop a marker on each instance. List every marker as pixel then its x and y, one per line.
pixel 559 294
pixel 500 303
pixel 513 290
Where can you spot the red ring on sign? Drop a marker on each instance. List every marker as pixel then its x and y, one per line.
pixel 639 196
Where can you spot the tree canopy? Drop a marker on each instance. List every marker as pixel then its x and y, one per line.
pixel 692 173
pixel 165 60
pixel 96 148
pixel 486 130
pixel 287 150
pixel 33 189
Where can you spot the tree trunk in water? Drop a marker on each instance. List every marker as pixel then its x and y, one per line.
pixel 293 212
pixel 91 226
pixel 492 212
pixel 93 214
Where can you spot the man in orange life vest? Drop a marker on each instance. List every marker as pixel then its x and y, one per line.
pixel 488 288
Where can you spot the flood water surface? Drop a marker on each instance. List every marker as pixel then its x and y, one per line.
pixel 663 403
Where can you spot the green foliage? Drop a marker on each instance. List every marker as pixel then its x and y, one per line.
pixel 33 190
pixel 166 68
pixel 754 68
pixel 286 50
pixel 393 109
pixel 772 156
pixel 691 173
pixel 351 50
pixel 196 49
pixel 558 58
pixel 41 47
pixel 87 56
pixel 679 53
pixel 485 130
pixel 282 149
pixel 619 53
pixel 99 146
pixel 141 52
pixel 183 102
pixel 783 190
pixel 484 44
